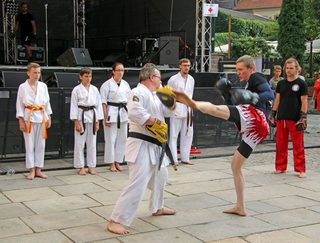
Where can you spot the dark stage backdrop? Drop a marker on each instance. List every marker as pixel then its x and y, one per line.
pixel 110 23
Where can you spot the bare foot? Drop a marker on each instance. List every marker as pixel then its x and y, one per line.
pixel 113 168
pixel 116 228
pixel 92 171
pixel 118 166
pixel 164 211
pixel 82 171
pixel 31 174
pixel 186 162
pixel 40 174
pixel 279 171
pixel 302 175
pixel 237 211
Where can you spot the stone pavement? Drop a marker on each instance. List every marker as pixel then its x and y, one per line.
pixel 72 208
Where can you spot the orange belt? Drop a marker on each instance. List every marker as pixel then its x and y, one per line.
pixel 29 125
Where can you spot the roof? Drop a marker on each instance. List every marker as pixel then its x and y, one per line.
pixel 257 4
pixel 243 15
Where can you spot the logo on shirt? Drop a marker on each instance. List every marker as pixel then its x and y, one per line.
pixel 135 98
pixel 295 87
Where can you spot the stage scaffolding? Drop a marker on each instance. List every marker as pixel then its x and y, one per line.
pixel 203 39
pixel 9 11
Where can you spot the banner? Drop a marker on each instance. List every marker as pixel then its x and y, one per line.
pixel 210 10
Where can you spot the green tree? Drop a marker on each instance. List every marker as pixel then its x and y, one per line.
pixel 253 46
pixel 291 38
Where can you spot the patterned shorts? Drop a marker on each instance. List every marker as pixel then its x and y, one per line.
pixel 254 126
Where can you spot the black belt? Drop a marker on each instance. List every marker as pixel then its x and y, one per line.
pixel 84 109
pixel 120 106
pixel 189 119
pixel 165 147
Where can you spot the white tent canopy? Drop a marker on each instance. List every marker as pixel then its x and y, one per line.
pixel 274 44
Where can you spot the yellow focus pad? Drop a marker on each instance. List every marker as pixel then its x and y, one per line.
pixel 159 130
pixel 166 96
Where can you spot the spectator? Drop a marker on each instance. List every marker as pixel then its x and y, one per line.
pixel 289 113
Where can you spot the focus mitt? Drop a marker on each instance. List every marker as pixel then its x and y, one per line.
pixel 166 96
pixel 159 130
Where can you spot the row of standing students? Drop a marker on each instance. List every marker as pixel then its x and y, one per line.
pixel 87 108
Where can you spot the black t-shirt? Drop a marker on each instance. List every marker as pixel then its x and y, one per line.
pixel 25 23
pixel 290 98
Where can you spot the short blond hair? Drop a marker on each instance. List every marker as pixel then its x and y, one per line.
pixel 32 65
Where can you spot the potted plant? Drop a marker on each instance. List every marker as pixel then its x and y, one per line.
pixel 310 83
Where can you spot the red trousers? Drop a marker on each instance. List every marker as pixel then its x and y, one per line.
pixel 284 127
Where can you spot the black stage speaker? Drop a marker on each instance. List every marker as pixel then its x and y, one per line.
pixel 75 57
pixel 169 50
pixel 13 79
pixel 66 80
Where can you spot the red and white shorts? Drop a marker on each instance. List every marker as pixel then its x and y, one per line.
pixel 254 126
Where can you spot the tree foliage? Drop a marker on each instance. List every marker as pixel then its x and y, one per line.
pixel 247 27
pixel 291 38
pixel 312 19
pixel 253 46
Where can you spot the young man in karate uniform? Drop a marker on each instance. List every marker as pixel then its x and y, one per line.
pixel 85 112
pixel 181 121
pixel 33 112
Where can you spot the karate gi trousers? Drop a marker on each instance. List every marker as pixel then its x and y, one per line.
pixel 142 174
pixel 35 146
pixel 179 125
pixel 90 140
pixel 115 142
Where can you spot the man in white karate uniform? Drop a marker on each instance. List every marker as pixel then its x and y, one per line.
pixel 33 112
pixel 85 112
pixel 114 95
pixel 181 121
pixel 143 153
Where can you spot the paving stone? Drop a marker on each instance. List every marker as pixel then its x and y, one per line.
pixel 272 179
pixel 108 241
pixel 291 218
pixel 76 189
pixel 13 227
pixel 283 236
pixel 48 237
pixel 14 210
pixel 197 176
pixel 310 195
pixel 290 202
pixel 250 194
pixel 32 194
pixel 218 230
pixel 261 207
pixel 63 220
pixel 88 233
pixel 184 218
pixel 313 185
pixel 310 231
pixel 16 184
pixel 315 208
pixel 61 204
pixel 230 240
pixel 3 199
pixel 195 201
pixel 170 235
pixel 115 185
pixel 198 187
pixel 77 179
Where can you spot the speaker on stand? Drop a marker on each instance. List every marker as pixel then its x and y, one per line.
pixel 75 57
